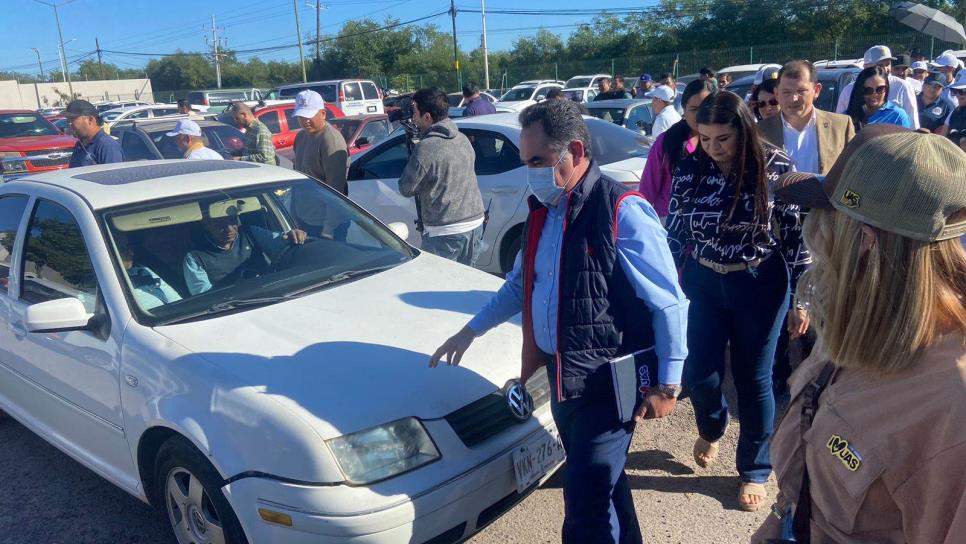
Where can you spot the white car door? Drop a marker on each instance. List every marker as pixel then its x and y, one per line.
pixel 12 208
pixel 70 380
pixel 353 102
pixel 374 185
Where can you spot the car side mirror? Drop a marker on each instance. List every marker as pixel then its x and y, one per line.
pixel 399 229
pixel 361 142
pixel 59 315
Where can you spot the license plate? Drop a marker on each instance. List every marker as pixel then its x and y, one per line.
pixel 533 459
pixel 371 109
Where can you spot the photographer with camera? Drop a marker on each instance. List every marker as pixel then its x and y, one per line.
pixel 440 175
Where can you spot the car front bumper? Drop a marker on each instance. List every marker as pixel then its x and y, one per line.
pixel 448 512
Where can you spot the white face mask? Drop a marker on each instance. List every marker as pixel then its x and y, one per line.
pixel 543 183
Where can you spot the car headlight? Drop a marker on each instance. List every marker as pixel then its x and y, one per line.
pixel 13 162
pixel 384 451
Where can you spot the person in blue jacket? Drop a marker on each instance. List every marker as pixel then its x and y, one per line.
pixel 93 145
pixel 869 103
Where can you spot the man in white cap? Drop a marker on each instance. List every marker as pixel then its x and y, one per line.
pixel 187 136
pixel 948 65
pixel 320 149
pixel 920 70
pixel 662 102
pixel 900 91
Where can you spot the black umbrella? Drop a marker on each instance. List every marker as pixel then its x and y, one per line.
pixel 929 21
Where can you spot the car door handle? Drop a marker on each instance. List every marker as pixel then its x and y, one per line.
pixel 504 189
pixel 18 329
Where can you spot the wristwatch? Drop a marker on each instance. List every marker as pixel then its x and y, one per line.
pixel 669 391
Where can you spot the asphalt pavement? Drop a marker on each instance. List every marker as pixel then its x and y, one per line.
pixel 46 497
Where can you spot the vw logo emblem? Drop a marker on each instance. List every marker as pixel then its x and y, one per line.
pixel 519 401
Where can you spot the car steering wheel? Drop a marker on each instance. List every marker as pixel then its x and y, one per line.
pixel 284 259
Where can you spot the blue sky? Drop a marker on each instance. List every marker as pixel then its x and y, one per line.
pixel 164 26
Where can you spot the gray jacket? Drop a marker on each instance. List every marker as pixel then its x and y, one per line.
pixel 440 172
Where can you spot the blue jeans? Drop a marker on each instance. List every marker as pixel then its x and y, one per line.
pixel 745 309
pixel 463 248
pixel 598 507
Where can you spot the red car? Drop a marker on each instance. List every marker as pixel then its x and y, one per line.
pixel 281 122
pixel 31 144
pixel 362 131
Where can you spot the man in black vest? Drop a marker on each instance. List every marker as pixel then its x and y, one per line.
pixel 594 280
pixel 229 251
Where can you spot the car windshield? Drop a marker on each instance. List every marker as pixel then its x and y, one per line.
pixel 346 127
pixel 223 139
pixel 576 96
pixel 578 83
pixel 612 115
pixel 15 125
pixel 611 143
pixel 517 95
pixel 203 254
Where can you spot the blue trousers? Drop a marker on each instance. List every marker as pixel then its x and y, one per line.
pixel 745 309
pixel 463 248
pixel 598 507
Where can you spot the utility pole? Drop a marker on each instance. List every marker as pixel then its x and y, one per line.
pixel 298 32
pixel 318 30
pixel 63 54
pixel 216 56
pixel 456 57
pixel 39 64
pixel 486 54
pixel 100 59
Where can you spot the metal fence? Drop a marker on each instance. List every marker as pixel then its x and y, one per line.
pixel 679 63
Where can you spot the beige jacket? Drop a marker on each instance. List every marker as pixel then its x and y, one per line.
pixel 833 132
pixel 886 456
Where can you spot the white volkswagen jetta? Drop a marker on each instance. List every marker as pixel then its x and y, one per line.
pixel 247 350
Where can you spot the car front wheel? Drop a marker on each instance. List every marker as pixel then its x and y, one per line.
pixel 189 497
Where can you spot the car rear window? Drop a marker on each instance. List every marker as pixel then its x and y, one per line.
pixel 517 95
pixel 352 91
pixel 15 125
pixel 369 90
pixel 578 83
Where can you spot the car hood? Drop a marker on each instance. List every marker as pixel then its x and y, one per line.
pixel 31 143
pixel 356 355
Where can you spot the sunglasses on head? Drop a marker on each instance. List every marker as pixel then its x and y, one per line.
pixel 867 91
pixel 959 92
pixel 763 103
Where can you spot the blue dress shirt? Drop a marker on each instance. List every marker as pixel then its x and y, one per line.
pixel 644 256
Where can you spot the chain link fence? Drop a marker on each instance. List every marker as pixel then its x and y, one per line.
pixel 680 63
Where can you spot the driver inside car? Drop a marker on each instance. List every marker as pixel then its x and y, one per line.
pixel 228 250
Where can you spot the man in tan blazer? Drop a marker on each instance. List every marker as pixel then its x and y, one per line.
pixel 812 138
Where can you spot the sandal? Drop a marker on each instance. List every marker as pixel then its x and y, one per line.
pixel 751 489
pixel 705 452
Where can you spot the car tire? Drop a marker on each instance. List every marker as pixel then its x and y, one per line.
pixel 188 497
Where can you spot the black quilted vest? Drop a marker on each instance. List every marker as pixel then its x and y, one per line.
pixel 600 315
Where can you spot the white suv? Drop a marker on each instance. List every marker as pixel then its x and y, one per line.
pixel 527 93
pixel 352 96
pixel 583 88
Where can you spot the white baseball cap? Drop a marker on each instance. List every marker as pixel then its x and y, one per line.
pixel 186 126
pixel 877 53
pixel 768 71
pixel 919 65
pixel 662 92
pixel 308 103
pixel 960 82
pixel 947 59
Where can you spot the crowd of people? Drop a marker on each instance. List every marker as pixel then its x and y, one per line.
pixel 785 225
pixel 761 223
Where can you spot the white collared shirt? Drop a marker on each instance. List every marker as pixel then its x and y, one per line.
pixel 802 146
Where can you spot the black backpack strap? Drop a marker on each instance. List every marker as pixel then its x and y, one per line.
pixel 801 523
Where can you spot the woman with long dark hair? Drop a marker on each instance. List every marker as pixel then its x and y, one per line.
pixel 763 100
pixel 869 102
pixel 740 252
pixel 674 144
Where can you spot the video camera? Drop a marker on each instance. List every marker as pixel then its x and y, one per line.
pixel 403 114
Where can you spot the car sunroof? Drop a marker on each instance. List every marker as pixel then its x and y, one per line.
pixel 143 172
